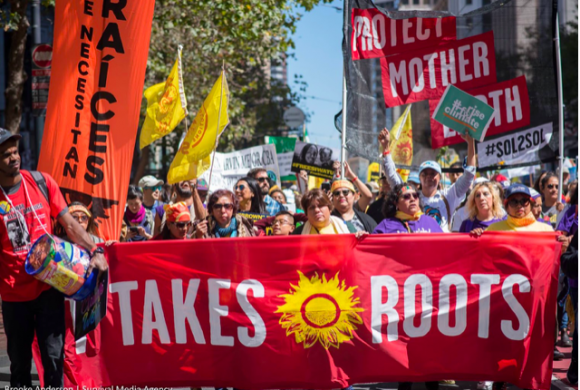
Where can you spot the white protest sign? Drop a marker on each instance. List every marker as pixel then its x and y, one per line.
pixel 285 163
pixel 514 145
pixel 229 167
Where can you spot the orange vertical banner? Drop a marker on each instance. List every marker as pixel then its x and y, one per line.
pixel 98 71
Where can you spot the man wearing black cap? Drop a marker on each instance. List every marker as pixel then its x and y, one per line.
pixel 28 201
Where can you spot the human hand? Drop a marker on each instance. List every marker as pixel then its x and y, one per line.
pixel 360 235
pixel 304 175
pixel 384 138
pixel 99 262
pixel 141 231
pixel 565 242
pixel 201 229
pixel 348 173
pixel 467 138
pixel 477 232
pixel 111 242
pixel 559 206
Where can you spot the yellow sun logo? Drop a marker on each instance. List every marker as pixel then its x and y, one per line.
pixel 320 310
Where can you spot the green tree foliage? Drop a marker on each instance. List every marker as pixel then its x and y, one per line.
pixel 246 36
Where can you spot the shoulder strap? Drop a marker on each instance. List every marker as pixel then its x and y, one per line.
pixel 41 183
pixel 448 210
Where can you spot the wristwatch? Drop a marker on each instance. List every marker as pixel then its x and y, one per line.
pixel 95 250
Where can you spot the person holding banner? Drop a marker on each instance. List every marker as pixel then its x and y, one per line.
pixel 318 209
pixel 343 201
pixel 439 204
pixel 403 213
pixel 28 203
pixel 249 197
pixel 177 224
pixel 223 220
pixel 483 207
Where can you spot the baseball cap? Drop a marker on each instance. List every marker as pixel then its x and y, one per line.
pixel 202 185
pixel 535 194
pixel 149 181
pixel 5 135
pixel 430 165
pixel 414 177
pixel 517 189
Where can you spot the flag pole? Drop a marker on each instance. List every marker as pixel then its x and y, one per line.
pixel 218 126
pixel 560 106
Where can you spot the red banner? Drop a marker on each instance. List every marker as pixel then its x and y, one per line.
pixel 96 87
pixel 324 312
pixel 424 74
pixel 512 111
pixel 376 35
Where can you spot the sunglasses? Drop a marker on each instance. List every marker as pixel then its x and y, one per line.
pixel 552 186
pixel 155 188
pixel 522 202
pixel 409 195
pixel 261 179
pixel 81 218
pixel 182 225
pixel 241 187
pixel 280 222
pixel 227 206
pixel 340 192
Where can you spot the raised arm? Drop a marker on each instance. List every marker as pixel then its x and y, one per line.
pixel 463 184
pixel 365 194
pixel 393 177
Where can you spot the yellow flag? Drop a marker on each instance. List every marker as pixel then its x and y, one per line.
pixel 374 172
pixel 193 157
pixel 166 106
pixel 402 142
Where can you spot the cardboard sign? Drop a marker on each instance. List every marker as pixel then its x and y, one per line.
pixel 376 35
pixel 424 74
pixel 463 113
pixel 510 101
pixel 91 310
pixel 315 159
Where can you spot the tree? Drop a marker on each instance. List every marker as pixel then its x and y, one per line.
pixel 246 36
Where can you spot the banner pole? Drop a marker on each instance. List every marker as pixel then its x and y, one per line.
pixel 560 106
pixel 218 128
pixel 344 103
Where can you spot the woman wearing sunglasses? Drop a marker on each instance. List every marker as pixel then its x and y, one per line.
pixel 343 199
pixel 83 216
pixel 178 221
pixel 223 220
pixel 403 213
pixel 551 205
pixel 483 207
pixel 249 196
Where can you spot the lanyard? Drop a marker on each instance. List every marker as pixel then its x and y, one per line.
pixel 406 225
pixel 20 215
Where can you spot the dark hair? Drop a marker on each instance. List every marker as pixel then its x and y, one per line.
pixel 305 150
pixel 537 182
pixel 390 206
pixel 315 194
pixel 547 178
pixel 218 194
pixel 165 233
pixel 166 193
pixel 254 172
pixel 134 192
pixel 574 196
pixel 258 206
pixel 288 213
pixel 280 191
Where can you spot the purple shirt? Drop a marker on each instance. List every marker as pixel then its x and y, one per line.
pixel 425 224
pixel 569 221
pixel 468 225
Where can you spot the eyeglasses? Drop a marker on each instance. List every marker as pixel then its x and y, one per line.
pixel 551 186
pixel 81 218
pixel 261 179
pixel 227 206
pixel 524 202
pixel 337 193
pixel 241 187
pixel 155 188
pixel 281 222
pixel 182 225
pixel 409 195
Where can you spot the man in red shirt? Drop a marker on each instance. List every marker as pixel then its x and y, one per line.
pixel 28 305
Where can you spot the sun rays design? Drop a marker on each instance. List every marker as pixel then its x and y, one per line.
pixel 320 310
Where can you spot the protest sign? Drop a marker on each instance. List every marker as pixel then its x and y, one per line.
pixel 229 167
pixel 425 74
pixel 91 310
pixel 463 113
pixel 328 311
pixel 285 151
pixel 514 145
pixel 376 35
pixel 314 159
pixel 511 105
pixel 98 71
pixel 374 172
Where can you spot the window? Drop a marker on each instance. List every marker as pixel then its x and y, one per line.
pixel 416 2
pixel 468 2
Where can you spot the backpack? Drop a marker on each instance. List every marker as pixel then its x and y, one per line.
pixel 41 183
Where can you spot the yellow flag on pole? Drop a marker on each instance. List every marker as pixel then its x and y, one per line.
pixel 402 142
pixel 193 157
pixel 166 106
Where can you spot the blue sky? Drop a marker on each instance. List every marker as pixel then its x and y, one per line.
pixel 318 58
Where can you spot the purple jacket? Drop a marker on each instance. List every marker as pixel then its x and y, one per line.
pixel 425 224
pixel 468 225
pixel 569 221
